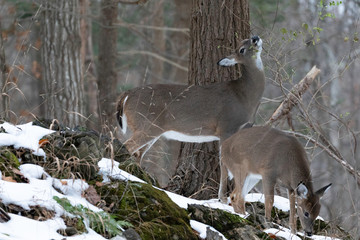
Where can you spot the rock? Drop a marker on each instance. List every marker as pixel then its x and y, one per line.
pixel 230 225
pixel 212 235
pixel 131 234
pixel 152 213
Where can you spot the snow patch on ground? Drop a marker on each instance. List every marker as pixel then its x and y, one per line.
pixel 201 229
pixel 26 136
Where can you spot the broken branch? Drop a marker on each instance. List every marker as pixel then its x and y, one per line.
pixel 294 96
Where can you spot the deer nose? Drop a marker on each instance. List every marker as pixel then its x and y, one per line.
pixel 255 39
pixel 309 234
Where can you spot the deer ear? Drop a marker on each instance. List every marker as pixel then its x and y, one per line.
pixel 226 62
pixel 302 191
pixel 323 190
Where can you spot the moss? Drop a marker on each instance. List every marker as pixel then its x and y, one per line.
pixel 8 163
pixel 133 168
pixel 151 211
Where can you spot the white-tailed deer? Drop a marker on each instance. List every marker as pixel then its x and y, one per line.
pixel 265 153
pixel 194 113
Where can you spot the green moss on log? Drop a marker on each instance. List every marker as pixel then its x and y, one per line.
pixel 151 211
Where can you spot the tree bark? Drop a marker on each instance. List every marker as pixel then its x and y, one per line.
pixel 64 94
pixel 4 98
pixel 158 39
pixel 107 62
pixel 217 27
pixel 88 66
pixel 180 41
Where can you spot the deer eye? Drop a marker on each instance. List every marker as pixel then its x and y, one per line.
pixel 242 50
pixel 306 214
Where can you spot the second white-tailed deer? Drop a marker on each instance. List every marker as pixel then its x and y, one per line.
pixel 194 113
pixel 265 153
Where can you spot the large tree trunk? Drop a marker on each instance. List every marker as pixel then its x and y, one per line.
pixel 216 28
pixel 107 62
pixel 64 94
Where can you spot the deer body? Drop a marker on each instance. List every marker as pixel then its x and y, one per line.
pixel 194 113
pixel 265 153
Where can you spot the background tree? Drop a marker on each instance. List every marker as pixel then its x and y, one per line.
pixel 4 107
pixel 60 51
pixel 216 28
pixel 107 76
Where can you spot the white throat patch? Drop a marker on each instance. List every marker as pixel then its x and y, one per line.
pixel 227 62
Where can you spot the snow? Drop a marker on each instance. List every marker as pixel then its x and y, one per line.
pixel 26 136
pixel 32 171
pixel 24 228
pixel 201 228
pixel 109 168
pixel 40 192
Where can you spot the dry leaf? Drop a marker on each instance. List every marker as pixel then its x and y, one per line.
pixel 8 179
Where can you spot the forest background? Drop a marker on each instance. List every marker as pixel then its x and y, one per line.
pixel 69 60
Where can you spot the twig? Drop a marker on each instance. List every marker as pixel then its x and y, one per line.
pixel 170 29
pixel 294 96
pixel 343 163
pixel 132 52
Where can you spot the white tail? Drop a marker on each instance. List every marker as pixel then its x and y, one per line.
pixel 265 153
pixel 194 113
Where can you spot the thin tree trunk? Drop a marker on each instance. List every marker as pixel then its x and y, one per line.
pixel 88 67
pixel 64 94
pixel 180 41
pixel 216 28
pixel 4 98
pixel 107 62
pixel 158 39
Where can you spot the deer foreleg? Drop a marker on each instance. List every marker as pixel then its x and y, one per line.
pixel 268 188
pixel 292 220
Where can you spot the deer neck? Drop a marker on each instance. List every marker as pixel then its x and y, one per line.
pixel 250 86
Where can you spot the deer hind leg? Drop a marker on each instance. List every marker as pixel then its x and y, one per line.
pixel 223 183
pixel 292 220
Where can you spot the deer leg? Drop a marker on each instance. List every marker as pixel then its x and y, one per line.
pixel 237 198
pixel 223 182
pixel 292 220
pixel 268 188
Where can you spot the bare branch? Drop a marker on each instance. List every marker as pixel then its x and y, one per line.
pixel 133 25
pixel 132 52
pixel 329 151
pixel 294 96
pixel 137 2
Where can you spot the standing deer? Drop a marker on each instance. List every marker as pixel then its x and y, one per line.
pixel 194 113
pixel 265 153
